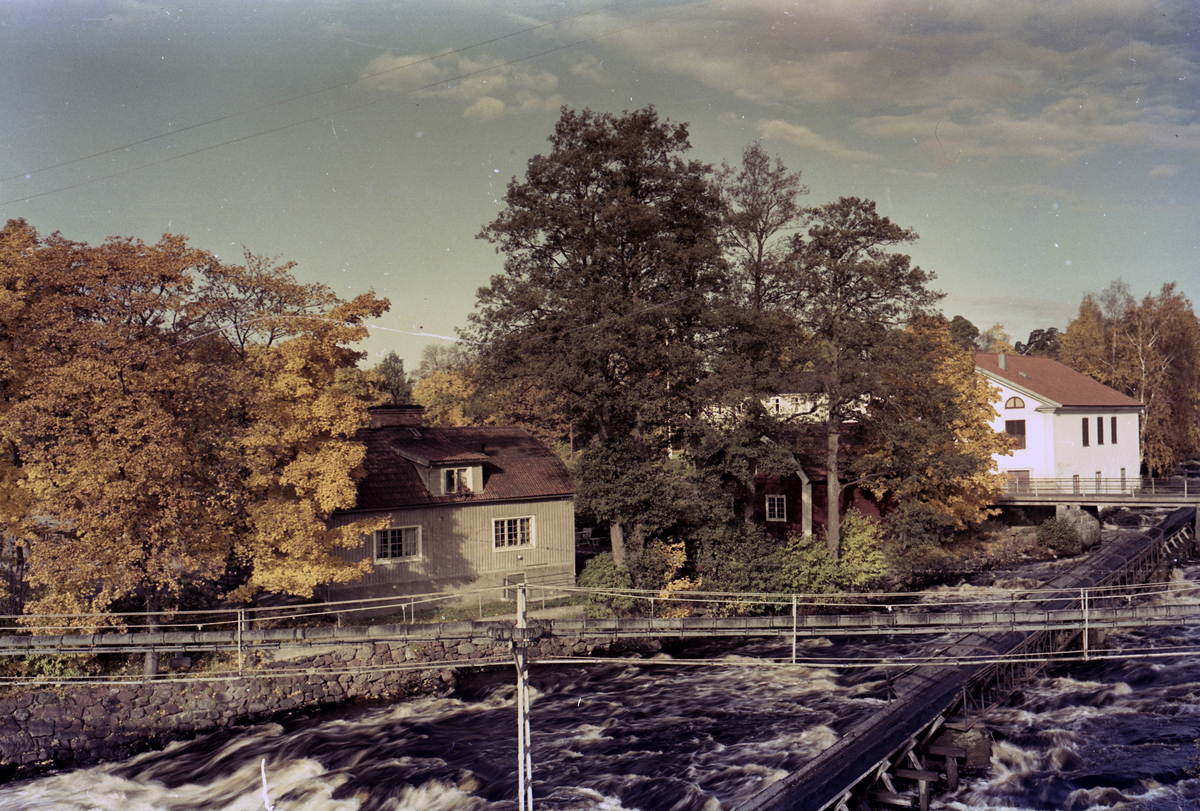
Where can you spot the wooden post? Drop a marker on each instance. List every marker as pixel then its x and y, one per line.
pixel 1083 601
pixel 793 629
pixel 524 757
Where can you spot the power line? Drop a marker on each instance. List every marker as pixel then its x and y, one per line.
pixel 269 105
pixel 352 108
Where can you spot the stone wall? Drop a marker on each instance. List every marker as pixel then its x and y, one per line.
pixel 70 726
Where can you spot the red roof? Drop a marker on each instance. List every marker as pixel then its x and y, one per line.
pixel 1049 380
pixel 515 465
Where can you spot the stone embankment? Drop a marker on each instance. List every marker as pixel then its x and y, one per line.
pixel 69 726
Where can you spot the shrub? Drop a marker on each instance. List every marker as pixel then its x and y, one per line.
pixel 602 574
pixel 1061 536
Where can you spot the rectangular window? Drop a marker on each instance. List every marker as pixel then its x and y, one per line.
pixel 1086 442
pixel 1112 435
pixel 510 532
pixel 457 480
pixel 776 508
pixel 1099 430
pixel 398 543
pixel 1016 428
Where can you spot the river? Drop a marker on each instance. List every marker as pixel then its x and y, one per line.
pixel 661 733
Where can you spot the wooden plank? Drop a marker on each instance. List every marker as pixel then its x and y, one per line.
pixel 919 774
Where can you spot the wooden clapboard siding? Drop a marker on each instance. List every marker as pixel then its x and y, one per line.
pixel 457 541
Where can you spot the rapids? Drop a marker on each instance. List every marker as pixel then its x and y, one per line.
pixel 673 733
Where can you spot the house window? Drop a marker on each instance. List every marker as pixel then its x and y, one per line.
pixel 776 508
pixel 1112 435
pixel 1086 442
pixel 398 543
pixel 510 532
pixel 776 402
pixel 1016 428
pixel 456 480
pixel 1014 402
pixel 1099 430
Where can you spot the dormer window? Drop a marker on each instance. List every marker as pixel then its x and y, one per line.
pixel 456 480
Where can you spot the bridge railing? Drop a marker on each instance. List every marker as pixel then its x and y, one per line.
pixel 1016 486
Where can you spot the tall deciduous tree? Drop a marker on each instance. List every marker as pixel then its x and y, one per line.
pixel 762 204
pixel 395 382
pixel 1149 350
pixel 165 414
pixel 929 443
pixel 611 248
pixel 849 292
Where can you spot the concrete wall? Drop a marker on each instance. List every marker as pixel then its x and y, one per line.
pixel 72 726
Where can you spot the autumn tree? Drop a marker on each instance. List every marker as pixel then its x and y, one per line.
pixel 849 292
pixel 994 339
pixel 165 415
pixel 611 247
pixel 929 445
pixel 1149 350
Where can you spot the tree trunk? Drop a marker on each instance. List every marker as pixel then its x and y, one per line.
pixel 752 501
pixel 833 529
pixel 617 535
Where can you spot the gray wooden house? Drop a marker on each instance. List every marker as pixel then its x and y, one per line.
pixel 467 508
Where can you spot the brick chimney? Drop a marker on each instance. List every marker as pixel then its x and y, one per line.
pixel 402 415
pixel 1002 361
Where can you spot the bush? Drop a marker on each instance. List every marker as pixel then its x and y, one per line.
pixel 602 574
pixel 1061 536
pixel 808 568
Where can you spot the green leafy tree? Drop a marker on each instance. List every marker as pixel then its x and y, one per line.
pixel 762 204
pixel 611 246
pixel 1042 343
pixel 964 333
pixel 396 384
pixel 849 293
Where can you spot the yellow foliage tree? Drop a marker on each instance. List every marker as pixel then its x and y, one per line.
pixel 166 416
pixel 930 445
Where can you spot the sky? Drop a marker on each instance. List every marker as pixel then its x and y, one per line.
pixel 1040 149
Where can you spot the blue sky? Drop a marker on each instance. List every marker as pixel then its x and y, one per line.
pixel 1041 150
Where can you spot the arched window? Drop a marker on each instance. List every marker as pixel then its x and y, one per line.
pixel 1014 402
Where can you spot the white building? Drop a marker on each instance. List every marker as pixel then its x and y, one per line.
pixel 1069 426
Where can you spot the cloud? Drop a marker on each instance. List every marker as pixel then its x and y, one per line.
pixel 807 139
pixel 1166 170
pixel 1053 81
pixel 487 88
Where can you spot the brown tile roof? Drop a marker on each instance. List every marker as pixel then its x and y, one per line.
pixel 1049 380
pixel 515 465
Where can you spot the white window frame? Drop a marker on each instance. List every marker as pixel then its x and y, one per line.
pixel 522 528
pixel 456 480
pixel 376 539
pixel 776 507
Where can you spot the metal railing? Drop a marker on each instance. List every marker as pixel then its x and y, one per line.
pixel 1093 485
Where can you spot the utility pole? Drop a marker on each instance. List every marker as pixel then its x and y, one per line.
pixel 524 757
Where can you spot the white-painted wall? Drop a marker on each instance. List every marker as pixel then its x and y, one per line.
pixel 1054 440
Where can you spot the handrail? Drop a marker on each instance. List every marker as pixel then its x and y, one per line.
pixel 1092 485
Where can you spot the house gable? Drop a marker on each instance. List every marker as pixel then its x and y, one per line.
pixel 1068 424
